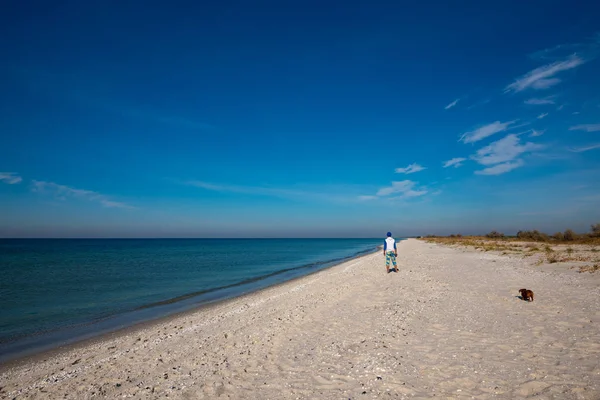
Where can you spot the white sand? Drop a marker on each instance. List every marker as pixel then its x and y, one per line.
pixel 449 325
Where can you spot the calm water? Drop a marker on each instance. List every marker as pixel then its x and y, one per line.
pixel 55 291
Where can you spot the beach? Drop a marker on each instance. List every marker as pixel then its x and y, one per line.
pixel 448 324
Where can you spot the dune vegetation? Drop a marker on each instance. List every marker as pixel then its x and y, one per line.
pixel 580 250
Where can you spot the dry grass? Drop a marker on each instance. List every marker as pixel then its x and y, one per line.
pixel 589 268
pixel 549 252
pixel 580 239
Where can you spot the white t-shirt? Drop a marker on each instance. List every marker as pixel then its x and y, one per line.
pixel 389 244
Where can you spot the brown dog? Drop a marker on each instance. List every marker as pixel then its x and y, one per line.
pixel 526 294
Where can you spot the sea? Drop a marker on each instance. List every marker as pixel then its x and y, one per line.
pixel 55 292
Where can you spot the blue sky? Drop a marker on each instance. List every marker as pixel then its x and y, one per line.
pixel 293 119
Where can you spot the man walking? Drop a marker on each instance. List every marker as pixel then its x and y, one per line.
pixel 390 252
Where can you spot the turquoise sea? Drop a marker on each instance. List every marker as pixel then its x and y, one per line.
pixel 56 291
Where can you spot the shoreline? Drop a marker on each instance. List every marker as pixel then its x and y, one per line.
pixel 78 342
pixel 449 323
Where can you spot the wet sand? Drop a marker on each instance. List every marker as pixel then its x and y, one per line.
pixel 449 324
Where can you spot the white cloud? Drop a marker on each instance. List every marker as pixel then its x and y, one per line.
pixel 62 192
pixel 501 168
pixel 560 107
pixel 542 115
pixel 545 83
pixel 535 133
pixel 586 128
pixel 586 148
pixel 485 131
pixel 366 198
pixel 523 132
pixel 413 193
pixel 576 112
pixel 449 106
pixel 541 101
pixel 543 77
pixel 10 177
pixel 455 162
pixel 411 169
pixel 405 189
pixel 503 150
pixel 397 187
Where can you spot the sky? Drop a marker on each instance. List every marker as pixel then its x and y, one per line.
pixel 298 118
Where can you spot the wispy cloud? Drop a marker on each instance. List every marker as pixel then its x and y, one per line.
pixel 10 177
pixel 479 103
pixel 337 194
pixel 586 128
pixel 535 133
pixel 326 193
pixel 588 50
pixel 411 169
pixel 402 189
pixel 586 148
pixel 454 162
pixel 254 190
pixel 559 51
pixel 485 131
pixel 500 168
pixel 504 150
pixel 543 77
pixel 541 101
pixel 449 106
pixel 63 192
pixel 366 198
pixel 542 116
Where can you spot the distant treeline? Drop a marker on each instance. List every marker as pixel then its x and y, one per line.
pixel 567 236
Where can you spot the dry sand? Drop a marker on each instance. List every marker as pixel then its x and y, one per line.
pixel 449 324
